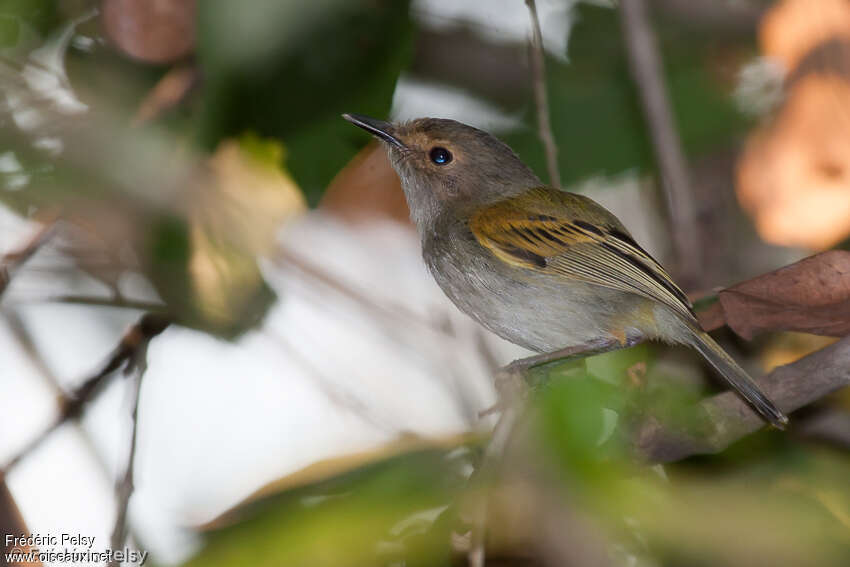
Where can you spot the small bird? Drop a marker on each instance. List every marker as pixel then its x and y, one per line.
pixel 538 266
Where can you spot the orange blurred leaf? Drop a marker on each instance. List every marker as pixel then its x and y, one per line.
pixel 367 187
pixel 792 28
pixel 793 175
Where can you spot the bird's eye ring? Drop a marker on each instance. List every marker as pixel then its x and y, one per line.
pixel 440 156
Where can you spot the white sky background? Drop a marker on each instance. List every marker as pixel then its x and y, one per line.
pixel 217 419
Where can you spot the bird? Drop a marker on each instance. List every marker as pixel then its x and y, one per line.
pixel 538 266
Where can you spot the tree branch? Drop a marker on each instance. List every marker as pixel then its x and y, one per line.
pixel 95 301
pixel 791 387
pixel 12 260
pixel 645 65
pixel 544 125
pixel 728 418
pixel 125 354
pixel 12 523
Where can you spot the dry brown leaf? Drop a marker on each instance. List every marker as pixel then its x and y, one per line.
pixel 811 296
pixel 154 31
pixel 366 188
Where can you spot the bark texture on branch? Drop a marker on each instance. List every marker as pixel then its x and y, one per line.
pixel 791 386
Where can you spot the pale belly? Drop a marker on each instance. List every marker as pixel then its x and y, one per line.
pixel 533 310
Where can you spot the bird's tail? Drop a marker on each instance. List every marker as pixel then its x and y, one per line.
pixel 737 377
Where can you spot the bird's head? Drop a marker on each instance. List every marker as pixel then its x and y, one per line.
pixel 448 167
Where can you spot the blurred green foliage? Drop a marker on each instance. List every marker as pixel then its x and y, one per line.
pixel 320 59
pixel 596 116
pixel 381 513
pixel 18 15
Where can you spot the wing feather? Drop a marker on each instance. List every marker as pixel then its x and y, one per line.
pixel 539 231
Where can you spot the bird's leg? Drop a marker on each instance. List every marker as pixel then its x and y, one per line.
pixel 576 351
pixel 519 368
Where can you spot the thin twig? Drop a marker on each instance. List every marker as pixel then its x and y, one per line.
pixel 124 489
pixel 12 260
pixel 26 342
pixel 484 473
pixel 71 405
pixel 645 65
pixel 12 523
pixel 538 68
pixel 286 258
pixel 96 301
pixel 338 395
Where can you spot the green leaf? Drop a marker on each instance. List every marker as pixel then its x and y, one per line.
pixel 378 514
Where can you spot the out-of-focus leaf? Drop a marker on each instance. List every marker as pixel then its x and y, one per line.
pixel 155 32
pixel 329 471
pixel 250 198
pixel 778 508
pixel 195 228
pixel 793 176
pixel 792 28
pixel 617 367
pixel 374 514
pixel 739 520
pixel 575 410
pixel 288 69
pixel 810 296
pixel 21 21
pixel 367 188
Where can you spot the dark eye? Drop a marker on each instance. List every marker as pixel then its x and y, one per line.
pixel 440 156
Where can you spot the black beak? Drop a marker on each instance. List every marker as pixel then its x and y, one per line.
pixel 377 128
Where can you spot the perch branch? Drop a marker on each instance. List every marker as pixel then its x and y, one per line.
pixel 288 259
pixel 729 418
pixel 137 337
pixel 95 301
pixel 791 387
pixel 538 69
pixel 645 66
